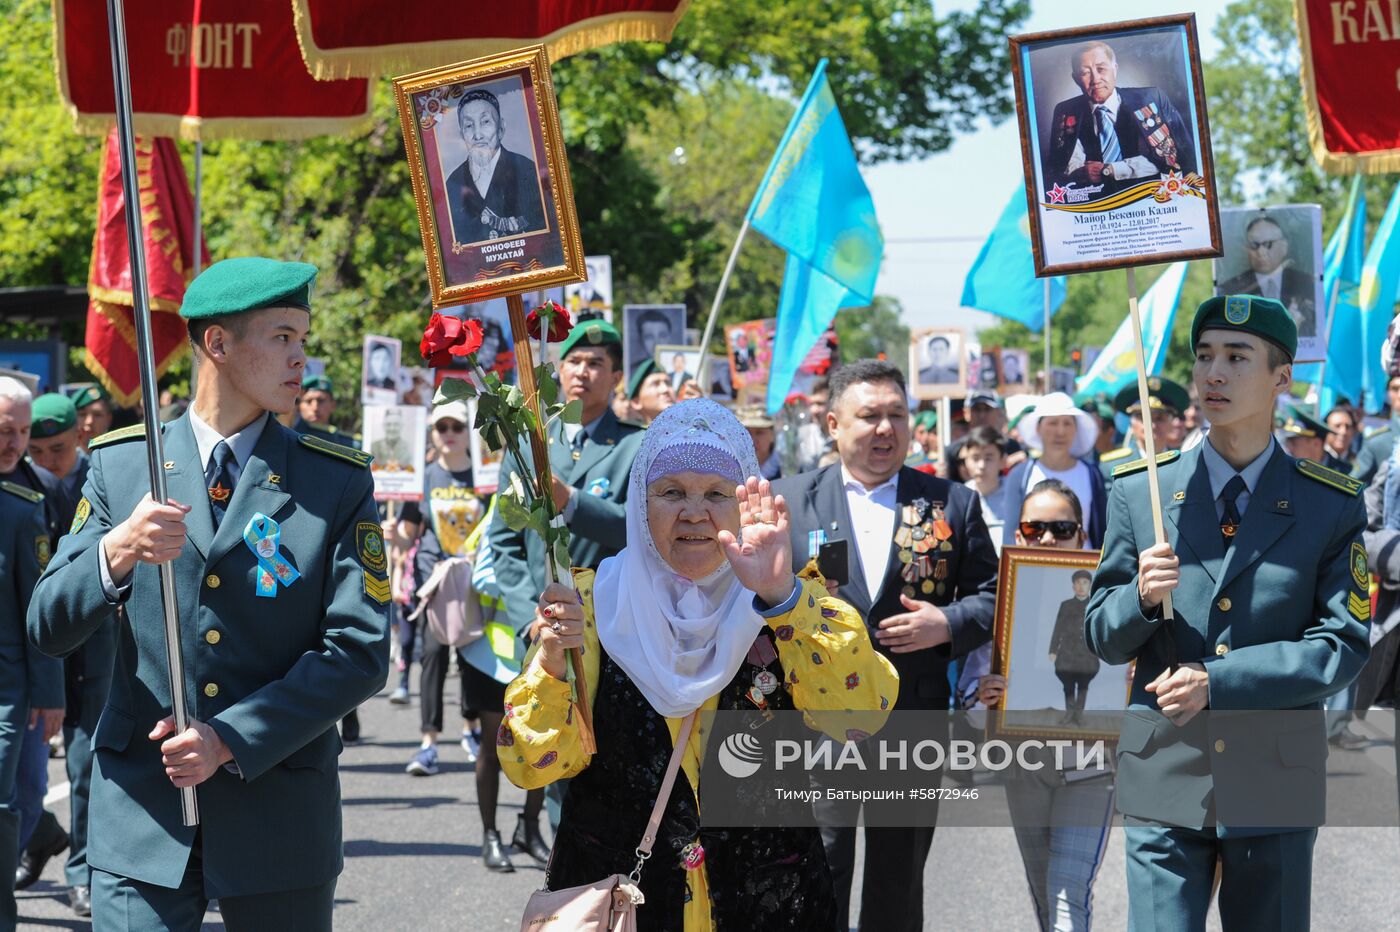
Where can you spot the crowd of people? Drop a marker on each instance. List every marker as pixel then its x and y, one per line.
pixel 697 531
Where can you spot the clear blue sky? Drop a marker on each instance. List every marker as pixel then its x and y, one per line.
pixel 956 196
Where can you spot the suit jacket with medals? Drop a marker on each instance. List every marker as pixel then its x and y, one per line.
pixel 817 501
pixel 514 192
pixel 1147 125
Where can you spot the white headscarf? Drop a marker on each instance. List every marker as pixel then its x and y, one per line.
pixel 680 642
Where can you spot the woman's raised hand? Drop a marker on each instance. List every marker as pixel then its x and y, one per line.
pixel 762 560
pixel 558 626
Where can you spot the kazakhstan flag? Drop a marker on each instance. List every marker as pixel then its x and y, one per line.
pixel 1002 278
pixel 814 203
pixel 1118 361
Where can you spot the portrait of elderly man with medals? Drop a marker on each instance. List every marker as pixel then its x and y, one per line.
pixel 495 192
pixel 1108 135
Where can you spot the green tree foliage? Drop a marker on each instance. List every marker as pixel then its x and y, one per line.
pixel 907 80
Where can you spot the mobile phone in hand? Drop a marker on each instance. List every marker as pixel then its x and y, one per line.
pixel 832 559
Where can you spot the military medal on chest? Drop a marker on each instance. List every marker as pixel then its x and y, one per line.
pixel 923 532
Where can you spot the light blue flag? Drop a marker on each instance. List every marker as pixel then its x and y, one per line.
pixel 814 203
pixel 1118 361
pixel 1002 278
pixel 1342 262
pixel 1380 284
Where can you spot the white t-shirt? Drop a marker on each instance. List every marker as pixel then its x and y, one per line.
pixel 1077 477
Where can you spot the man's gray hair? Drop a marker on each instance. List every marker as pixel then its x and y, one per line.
pixel 12 389
pixel 1085 49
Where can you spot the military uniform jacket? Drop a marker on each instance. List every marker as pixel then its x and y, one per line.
pixel 1279 622
pixel 31 680
pixel 271 675
pixel 1147 125
pixel 817 502
pixel 598 526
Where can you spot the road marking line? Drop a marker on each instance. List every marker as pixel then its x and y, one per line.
pixel 57 794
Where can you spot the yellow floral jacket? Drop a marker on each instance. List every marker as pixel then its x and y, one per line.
pixel 828 659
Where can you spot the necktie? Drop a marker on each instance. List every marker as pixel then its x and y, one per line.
pixel 577 444
pixel 1108 136
pixel 219 477
pixel 1230 519
pixel 1270 289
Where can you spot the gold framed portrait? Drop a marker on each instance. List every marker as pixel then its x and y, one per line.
pixel 490 177
pixel 1055 686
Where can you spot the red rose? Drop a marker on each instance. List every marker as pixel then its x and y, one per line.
pixel 559 323
pixel 447 338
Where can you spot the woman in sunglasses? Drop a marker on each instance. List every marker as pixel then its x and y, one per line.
pixel 1061 817
pixel 1059 436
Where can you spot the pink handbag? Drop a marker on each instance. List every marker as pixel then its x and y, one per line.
pixel 610 905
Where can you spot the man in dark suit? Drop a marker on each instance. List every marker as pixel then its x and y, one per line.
pixel 1272 275
pixel 495 192
pixel 1110 135
pixel 921 571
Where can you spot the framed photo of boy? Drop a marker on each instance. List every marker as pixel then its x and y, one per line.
pixel 490 177
pixel 937 363
pixel 1055 686
pixel 1115 145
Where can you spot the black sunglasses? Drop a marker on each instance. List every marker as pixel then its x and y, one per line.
pixel 1062 530
pixel 445 426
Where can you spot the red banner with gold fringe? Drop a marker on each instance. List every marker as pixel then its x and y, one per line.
pixel 202 70
pixel 1351 83
pixel 167 216
pixel 344 38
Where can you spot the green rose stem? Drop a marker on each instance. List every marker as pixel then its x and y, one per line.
pixel 525 379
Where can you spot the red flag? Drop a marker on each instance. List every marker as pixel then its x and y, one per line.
pixel 167 216
pixel 1349 49
pixel 343 38
pixel 202 69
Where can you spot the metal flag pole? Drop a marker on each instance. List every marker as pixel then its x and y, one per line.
pixel 1149 442
pixel 703 374
pixel 145 358
pixel 196 253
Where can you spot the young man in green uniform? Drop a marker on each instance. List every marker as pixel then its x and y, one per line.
pixel 282 581
pixel 31 683
pixel 1266 567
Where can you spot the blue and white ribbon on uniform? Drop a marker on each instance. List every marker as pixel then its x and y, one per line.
pixel 264 537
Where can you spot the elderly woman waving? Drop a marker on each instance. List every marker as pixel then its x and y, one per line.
pixel 700 611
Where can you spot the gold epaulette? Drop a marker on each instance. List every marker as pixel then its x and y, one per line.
pixel 349 454
pixel 1339 481
pixel 114 436
pixel 1112 455
pixel 28 494
pixel 1138 465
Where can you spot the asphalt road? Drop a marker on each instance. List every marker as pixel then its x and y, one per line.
pixel 413 856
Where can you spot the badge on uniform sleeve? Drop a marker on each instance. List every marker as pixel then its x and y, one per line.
pixel 1360 574
pixel 264 537
pixel 80 516
pixel 369 544
pixel 42 550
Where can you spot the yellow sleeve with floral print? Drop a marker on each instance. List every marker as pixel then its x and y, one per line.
pixel 831 665
pixel 538 742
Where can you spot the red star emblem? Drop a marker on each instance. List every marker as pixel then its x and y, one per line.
pixel 1057 194
pixel 219 494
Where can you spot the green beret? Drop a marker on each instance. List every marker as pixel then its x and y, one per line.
pixel 317 383
pixel 53 414
pixel 1162 393
pixel 251 283
pixel 639 375
pixel 590 333
pixel 1298 424
pixel 1263 317
pixel 928 420
pixel 87 395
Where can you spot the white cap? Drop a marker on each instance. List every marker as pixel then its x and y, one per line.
pixel 456 410
pixel 1058 404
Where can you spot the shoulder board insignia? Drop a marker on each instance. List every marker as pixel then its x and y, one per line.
pixel 28 494
pixel 636 425
pixel 1139 465
pixel 1339 481
pixel 116 436
pixel 349 454
pixel 1376 432
pixel 1117 454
